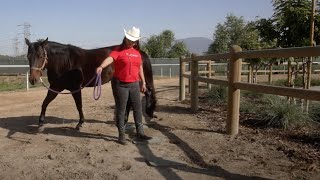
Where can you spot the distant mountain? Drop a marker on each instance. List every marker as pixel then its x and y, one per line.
pixel 197 45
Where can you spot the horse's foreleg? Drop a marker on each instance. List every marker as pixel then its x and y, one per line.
pixel 78 100
pixel 50 97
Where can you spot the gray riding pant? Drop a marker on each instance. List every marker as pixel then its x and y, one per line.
pixel 122 93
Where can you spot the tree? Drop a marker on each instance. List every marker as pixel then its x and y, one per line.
pixel 177 50
pixel 293 18
pixel 292 22
pixel 164 45
pixel 167 38
pixel 221 42
pixel 234 31
pixel 154 47
pixel 267 32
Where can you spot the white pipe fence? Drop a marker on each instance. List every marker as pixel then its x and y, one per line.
pixel 27 73
pixel 153 65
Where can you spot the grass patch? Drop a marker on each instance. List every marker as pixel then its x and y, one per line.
pixel 217 95
pixel 278 112
pixel 10 83
pixel 250 101
pixel 13 83
pixel 297 82
pixel 263 110
pixel 11 86
pixel 314 112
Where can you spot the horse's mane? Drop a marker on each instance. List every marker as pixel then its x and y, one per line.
pixel 61 57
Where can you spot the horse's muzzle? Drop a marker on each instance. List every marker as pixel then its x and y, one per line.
pixel 34 76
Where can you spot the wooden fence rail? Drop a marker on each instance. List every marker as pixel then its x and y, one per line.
pixel 234 83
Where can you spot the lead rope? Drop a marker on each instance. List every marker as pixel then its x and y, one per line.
pixel 96 89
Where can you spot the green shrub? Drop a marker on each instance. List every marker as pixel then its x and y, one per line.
pixel 280 82
pixel 278 112
pixel 251 95
pixel 297 82
pixel 314 112
pixel 250 101
pixel 247 106
pixel 315 82
pixel 217 95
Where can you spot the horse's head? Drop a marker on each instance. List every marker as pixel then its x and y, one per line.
pixel 37 57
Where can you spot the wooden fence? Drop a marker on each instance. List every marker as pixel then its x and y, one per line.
pixel 234 83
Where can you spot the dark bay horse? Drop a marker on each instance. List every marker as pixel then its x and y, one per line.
pixel 69 67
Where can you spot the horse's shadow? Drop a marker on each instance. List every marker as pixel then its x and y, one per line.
pixel 29 125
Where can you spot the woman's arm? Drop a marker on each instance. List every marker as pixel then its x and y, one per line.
pixel 104 64
pixel 143 81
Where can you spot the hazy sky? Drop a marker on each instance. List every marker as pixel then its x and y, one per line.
pixel 98 23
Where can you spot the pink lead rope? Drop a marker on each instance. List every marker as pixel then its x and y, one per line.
pixel 96 89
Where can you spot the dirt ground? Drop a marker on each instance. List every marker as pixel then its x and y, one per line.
pixel 185 145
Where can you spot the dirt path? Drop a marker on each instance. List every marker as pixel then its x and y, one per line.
pixel 185 146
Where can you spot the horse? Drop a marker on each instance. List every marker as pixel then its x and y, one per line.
pixel 69 67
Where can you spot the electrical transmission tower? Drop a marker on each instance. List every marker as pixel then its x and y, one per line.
pixel 26 33
pixel 15 46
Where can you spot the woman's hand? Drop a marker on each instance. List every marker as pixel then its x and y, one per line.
pixel 104 63
pixel 99 70
pixel 143 87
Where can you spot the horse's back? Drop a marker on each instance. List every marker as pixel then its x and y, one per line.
pixel 93 59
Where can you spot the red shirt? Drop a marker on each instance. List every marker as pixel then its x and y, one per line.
pixel 126 64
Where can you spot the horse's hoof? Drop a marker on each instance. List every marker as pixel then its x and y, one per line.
pixel 155 116
pixel 78 127
pixel 40 128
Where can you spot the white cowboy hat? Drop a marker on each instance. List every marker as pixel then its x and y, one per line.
pixel 132 34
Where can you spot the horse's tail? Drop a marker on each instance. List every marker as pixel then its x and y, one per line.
pixel 150 94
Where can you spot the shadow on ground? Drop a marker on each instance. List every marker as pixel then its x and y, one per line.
pixel 29 125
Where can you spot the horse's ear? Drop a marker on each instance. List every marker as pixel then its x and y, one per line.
pixel 27 41
pixel 43 43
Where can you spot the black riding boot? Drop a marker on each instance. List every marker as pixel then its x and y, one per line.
pixel 122 136
pixel 140 133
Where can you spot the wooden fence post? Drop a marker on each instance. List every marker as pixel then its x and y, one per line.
pixel 250 72
pixel 270 74
pixel 289 79
pixel 209 73
pixel 297 69
pixel 194 84
pixel 189 82
pixel 233 93
pixel 182 94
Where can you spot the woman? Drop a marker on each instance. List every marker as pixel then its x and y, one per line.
pixel 126 85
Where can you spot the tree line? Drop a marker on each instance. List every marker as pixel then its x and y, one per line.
pixel 289 26
pixel 17 58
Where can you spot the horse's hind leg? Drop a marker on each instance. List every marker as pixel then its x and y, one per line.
pixel 150 103
pixel 78 100
pixel 50 96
